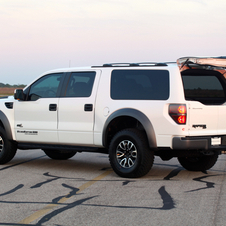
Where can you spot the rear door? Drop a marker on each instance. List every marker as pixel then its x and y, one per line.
pixel 206 102
pixel 77 108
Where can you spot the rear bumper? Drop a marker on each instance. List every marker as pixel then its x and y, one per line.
pixel 201 143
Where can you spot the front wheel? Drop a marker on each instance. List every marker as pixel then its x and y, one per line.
pixel 59 154
pixel 129 154
pixel 7 148
pixel 200 163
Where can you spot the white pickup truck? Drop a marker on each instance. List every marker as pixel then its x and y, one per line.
pixel 131 111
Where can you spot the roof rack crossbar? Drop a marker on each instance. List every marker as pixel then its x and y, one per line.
pixel 134 64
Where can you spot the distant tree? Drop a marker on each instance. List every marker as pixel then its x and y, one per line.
pixel 13 86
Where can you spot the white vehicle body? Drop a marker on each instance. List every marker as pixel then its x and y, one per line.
pixel 173 121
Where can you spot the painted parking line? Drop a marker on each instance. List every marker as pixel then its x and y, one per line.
pixel 49 207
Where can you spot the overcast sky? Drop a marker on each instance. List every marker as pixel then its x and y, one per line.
pixel 40 35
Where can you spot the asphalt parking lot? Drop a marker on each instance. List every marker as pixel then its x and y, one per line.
pixel 36 190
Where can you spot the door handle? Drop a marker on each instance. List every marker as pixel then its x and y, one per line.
pixel 88 107
pixel 52 107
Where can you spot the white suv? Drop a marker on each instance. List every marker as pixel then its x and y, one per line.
pixel 130 111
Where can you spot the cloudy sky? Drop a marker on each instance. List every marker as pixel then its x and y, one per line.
pixel 36 36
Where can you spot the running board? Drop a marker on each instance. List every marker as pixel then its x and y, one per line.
pixel 26 146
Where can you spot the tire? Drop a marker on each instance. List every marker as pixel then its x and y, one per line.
pixel 129 154
pixel 201 163
pixel 7 148
pixel 59 154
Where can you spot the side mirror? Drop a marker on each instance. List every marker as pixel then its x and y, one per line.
pixel 19 94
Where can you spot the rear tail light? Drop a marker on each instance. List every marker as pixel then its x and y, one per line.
pixel 178 113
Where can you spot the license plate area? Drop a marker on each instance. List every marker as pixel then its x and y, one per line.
pixel 215 141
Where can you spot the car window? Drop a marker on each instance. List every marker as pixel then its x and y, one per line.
pixel 204 88
pixel 45 87
pixel 80 84
pixel 140 84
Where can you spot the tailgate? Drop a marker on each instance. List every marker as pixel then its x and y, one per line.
pixel 202 119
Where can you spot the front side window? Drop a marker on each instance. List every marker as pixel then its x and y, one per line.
pixel 45 87
pixel 140 85
pixel 80 84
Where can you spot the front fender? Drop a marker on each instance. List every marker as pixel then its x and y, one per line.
pixel 6 125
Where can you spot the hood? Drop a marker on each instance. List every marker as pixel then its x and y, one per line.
pixel 7 97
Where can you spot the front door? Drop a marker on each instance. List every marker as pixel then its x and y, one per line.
pixel 36 117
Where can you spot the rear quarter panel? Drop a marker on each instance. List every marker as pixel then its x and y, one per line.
pixel 156 110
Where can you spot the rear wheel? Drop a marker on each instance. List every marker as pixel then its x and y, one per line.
pixel 7 148
pixel 129 154
pixel 201 163
pixel 59 154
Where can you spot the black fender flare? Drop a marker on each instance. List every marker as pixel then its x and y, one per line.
pixel 141 117
pixel 6 125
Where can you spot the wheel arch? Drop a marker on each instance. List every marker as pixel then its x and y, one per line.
pixel 4 122
pixel 128 118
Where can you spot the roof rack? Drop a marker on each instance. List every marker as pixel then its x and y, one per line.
pixel 142 64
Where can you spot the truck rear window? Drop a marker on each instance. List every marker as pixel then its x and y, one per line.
pixel 206 89
pixel 140 84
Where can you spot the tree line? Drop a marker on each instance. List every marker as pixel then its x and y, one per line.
pixel 11 86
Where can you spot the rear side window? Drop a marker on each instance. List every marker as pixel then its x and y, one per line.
pixel 204 88
pixel 140 85
pixel 80 84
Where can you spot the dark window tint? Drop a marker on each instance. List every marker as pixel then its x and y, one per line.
pixel 45 87
pixel 140 84
pixel 80 84
pixel 206 89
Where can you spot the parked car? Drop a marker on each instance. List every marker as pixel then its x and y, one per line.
pixel 131 111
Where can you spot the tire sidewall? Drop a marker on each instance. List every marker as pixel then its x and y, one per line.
pixel 59 154
pixel 9 148
pixel 5 143
pixel 130 136
pixel 201 163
